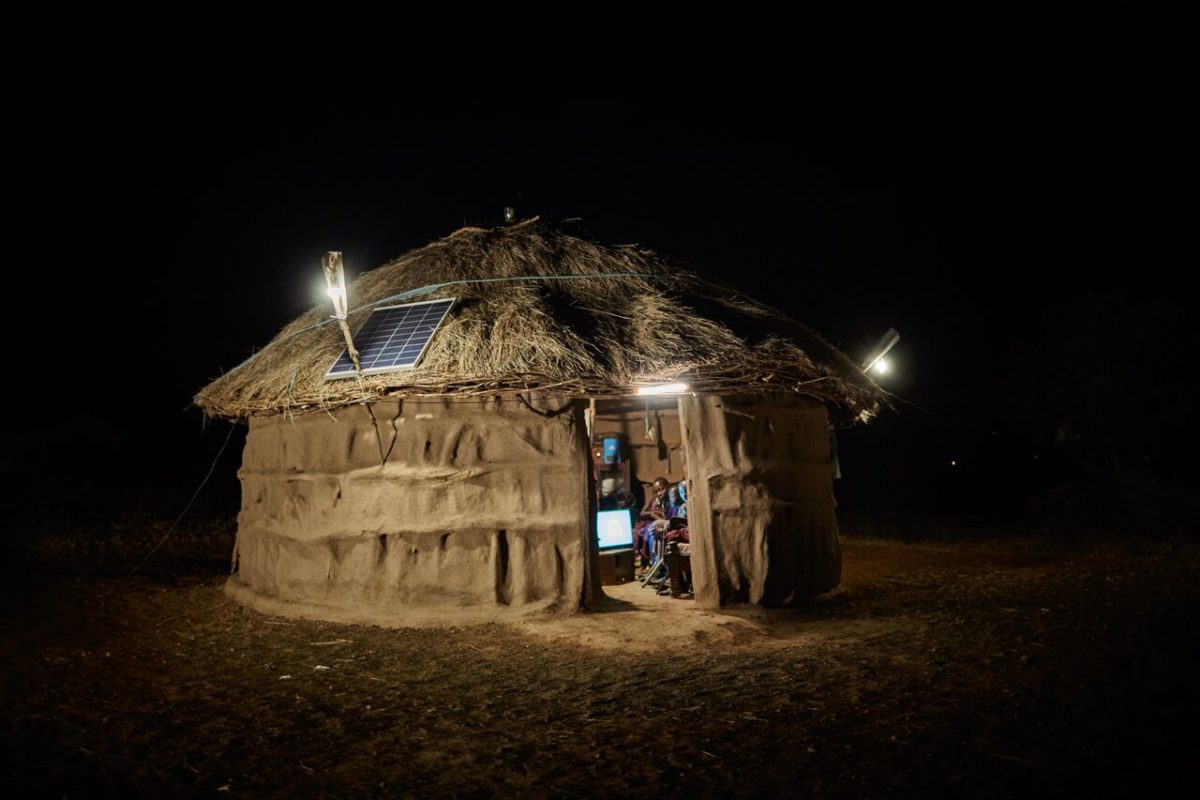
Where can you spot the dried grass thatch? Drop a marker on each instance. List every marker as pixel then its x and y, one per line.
pixel 589 336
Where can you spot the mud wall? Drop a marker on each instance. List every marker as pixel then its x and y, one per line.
pixel 478 501
pixel 761 508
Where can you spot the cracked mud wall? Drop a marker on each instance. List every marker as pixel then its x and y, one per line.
pixel 761 508
pixel 478 502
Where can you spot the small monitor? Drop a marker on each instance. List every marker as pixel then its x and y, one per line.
pixel 614 529
pixel 612 450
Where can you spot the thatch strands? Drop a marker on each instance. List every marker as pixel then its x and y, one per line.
pixel 589 335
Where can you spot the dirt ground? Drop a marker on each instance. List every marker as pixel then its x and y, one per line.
pixel 960 671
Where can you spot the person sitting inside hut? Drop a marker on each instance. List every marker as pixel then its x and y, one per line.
pixel 677 499
pixel 655 510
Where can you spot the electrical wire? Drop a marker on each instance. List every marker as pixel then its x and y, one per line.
pixel 187 507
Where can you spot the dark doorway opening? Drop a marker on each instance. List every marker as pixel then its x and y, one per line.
pixel 639 457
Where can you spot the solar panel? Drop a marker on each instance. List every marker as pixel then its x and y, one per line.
pixel 392 338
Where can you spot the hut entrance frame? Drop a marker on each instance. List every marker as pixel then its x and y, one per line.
pixel 652 446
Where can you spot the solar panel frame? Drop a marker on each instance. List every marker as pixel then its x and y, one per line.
pixel 370 351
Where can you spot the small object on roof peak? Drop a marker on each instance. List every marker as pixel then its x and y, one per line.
pixel 510 215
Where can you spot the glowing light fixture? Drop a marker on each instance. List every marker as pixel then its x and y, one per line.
pixel 663 388
pixel 876 361
pixel 335 283
pixel 335 280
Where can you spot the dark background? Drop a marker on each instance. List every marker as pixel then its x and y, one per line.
pixel 1008 191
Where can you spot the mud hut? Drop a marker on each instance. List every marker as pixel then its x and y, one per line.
pixel 468 478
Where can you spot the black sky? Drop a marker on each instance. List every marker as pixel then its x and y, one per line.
pixel 959 178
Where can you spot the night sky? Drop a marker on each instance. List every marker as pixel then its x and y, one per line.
pixel 1009 192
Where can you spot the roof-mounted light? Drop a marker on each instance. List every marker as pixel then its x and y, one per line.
pixel 662 388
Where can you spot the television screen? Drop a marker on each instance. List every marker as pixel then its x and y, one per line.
pixel 614 529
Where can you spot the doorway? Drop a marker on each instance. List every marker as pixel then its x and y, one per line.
pixel 639 459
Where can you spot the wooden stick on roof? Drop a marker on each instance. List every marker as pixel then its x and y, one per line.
pixel 335 278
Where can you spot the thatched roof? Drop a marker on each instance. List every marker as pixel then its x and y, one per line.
pixel 587 334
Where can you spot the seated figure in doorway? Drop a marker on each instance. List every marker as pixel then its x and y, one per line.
pixel 655 511
pixel 657 506
pixel 677 499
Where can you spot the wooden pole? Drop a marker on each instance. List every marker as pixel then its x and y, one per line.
pixel 335 278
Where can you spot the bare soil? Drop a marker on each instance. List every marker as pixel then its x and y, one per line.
pixel 961 671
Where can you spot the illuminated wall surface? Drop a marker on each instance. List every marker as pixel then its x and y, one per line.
pixel 480 501
pixel 484 501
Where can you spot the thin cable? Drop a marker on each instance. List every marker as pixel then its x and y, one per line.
pixel 195 494
pixel 934 414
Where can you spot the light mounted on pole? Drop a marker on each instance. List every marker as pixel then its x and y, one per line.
pixel 876 360
pixel 335 280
